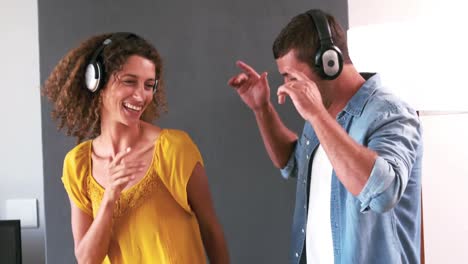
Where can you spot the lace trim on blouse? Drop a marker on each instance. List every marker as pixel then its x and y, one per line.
pixel 130 198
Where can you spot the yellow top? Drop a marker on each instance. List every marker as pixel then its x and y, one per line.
pixel 153 221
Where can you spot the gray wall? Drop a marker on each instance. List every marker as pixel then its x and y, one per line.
pixel 21 148
pixel 200 42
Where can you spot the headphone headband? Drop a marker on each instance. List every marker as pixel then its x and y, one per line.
pixel 321 23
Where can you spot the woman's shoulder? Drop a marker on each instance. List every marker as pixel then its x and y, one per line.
pixel 174 142
pixel 175 137
pixel 76 165
pixel 79 153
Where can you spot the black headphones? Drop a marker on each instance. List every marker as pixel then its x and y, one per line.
pixel 95 74
pixel 328 58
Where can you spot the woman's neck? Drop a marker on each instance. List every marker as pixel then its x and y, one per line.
pixel 117 137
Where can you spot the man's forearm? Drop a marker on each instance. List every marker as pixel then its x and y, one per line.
pixel 351 161
pixel 278 139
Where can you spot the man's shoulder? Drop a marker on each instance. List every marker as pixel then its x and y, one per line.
pixel 384 102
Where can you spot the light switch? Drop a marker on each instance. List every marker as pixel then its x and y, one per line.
pixel 23 209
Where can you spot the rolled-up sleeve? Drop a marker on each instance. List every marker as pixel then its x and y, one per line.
pixel 396 137
pixel 290 170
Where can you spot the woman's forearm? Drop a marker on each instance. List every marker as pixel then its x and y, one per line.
pixel 215 245
pixel 94 245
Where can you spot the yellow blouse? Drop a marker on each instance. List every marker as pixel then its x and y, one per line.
pixel 153 221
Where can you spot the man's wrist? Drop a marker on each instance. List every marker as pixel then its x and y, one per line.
pixel 263 110
pixel 317 115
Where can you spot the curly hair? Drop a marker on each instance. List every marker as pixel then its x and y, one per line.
pixel 75 107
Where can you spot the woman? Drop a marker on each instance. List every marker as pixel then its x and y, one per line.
pixel 138 192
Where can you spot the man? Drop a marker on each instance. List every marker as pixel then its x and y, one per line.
pixel 358 160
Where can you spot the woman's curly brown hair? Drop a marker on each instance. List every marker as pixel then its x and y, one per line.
pixel 77 109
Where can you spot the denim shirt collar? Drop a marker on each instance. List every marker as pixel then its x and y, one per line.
pixel 356 105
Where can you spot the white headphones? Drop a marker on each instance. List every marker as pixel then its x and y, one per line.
pixel 94 70
pixel 95 74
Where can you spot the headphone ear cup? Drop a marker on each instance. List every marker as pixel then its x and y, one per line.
pixel 328 57
pixel 329 63
pixel 318 63
pixel 155 88
pixel 93 76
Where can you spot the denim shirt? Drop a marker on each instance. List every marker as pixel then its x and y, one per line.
pixel 381 224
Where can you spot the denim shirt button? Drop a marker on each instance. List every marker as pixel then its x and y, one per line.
pixel 307 143
pixel 297 255
pixel 307 156
pixel 302 230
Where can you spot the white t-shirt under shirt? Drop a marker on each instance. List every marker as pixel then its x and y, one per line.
pixel 319 243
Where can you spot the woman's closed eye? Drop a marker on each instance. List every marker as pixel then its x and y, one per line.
pixel 149 86
pixel 129 82
pixel 134 83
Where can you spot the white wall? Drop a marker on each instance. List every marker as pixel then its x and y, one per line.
pixel 21 171
pixel 435 89
pixel 445 183
pixel 364 12
pixel 403 40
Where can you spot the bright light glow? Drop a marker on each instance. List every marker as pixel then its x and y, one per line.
pixel 424 61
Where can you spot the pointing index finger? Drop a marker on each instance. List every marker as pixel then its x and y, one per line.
pixel 247 69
